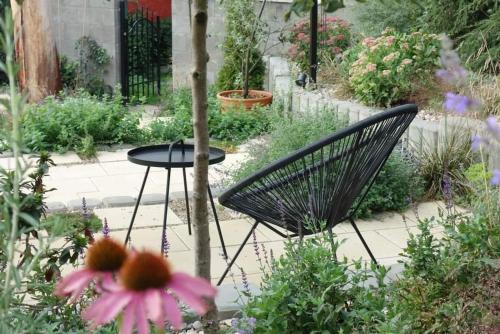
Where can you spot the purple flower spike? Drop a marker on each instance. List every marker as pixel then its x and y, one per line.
pixel 495 180
pixel 459 103
pixel 105 228
pixel 165 245
pixel 493 127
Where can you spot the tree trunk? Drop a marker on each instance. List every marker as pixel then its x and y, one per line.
pixel 36 51
pixel 200 125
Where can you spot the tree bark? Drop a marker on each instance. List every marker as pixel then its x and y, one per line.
pixel 36 51
pixel 201 139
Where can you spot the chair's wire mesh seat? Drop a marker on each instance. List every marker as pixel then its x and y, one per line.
pixel 323 183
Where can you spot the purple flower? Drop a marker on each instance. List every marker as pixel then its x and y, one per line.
pixel 447 193
pixel 495 180
pixel 85 210
pixel 244 280
pixel 165 245
pixel 459 103
pixel 476 142
pixel 453 72
pixel 105 228
pixel 493 127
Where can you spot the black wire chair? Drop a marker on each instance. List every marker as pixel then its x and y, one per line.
pixel 320 185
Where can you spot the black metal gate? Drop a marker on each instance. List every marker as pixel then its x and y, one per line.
pixel 140 49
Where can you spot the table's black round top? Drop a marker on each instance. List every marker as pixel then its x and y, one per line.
pixel 158 155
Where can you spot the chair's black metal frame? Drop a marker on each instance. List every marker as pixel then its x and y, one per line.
pixel 167 194
pixel 323 183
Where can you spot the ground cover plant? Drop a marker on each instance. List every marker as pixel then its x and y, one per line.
pixel 397 182
pixel 309 290
pixel 448 284
pixel 233 126
pixel 79 122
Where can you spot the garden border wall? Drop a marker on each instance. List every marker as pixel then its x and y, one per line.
pixel 421 134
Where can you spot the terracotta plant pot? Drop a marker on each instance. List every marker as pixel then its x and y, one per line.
pixel 233 99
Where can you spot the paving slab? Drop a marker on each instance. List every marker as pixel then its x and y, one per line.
pixel 353 249
pixel 151 239
pixel 118 201
pixel 233 231
pixel 147 216
pixel 67 158
pixel 122 168
pixel 73 186
pixel 72 172
pixel 398 236
pixel 119 155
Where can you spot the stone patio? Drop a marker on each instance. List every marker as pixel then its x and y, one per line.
pixel 110 185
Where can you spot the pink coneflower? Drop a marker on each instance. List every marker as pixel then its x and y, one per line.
pixel 97 267
pixel 141 294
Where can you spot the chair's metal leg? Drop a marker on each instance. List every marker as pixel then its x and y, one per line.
pixel 137 205
pixel 187 199
pixel 217 221
pixel 237 253
pixel 165 212
pixel 363 240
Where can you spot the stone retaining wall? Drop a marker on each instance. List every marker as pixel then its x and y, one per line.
pixel 422 134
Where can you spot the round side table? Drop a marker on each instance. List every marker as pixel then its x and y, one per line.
pixel 169 156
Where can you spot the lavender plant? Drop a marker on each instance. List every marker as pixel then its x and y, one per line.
pixel 454 74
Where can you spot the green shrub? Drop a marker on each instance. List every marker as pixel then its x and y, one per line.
pixel 397 181
pixel 446 285
pixel 239 26
pixel 451 157
pixel 238 125
pixel 388 69
pixel 374 16
pixel 473 24
pixel 334 35
pixel 69 72
pixel 233 126
pixel 92 62
pixel 77 122
pixel 308 291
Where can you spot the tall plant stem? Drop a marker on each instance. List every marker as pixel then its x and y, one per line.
pixel 201 154
pixel 15 144
pixel 246 73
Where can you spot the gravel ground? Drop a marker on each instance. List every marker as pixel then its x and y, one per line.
pixel 178 206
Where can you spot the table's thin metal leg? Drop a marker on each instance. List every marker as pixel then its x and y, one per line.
pixel 217 221
pixel 187 199
pixel 137 205
pixel 164 231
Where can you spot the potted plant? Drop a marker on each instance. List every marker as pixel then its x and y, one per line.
pixel 241 77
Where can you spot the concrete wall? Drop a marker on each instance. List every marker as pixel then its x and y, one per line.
pixel 181 37
pixel 73 19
